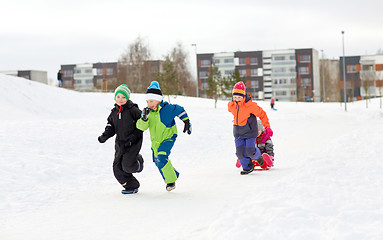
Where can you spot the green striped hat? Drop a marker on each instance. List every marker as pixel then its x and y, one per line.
pixel 124 90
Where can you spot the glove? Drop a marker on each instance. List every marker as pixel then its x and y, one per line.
pixel 187 127
pixel 101 139
pixel 145 114
pixel 267 134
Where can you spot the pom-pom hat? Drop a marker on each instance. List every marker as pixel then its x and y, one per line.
pixel 239 89
pixel 124 90
pixel 154 92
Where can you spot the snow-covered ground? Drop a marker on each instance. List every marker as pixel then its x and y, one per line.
pixel 56 180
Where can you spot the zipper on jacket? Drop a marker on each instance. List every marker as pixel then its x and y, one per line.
pixel 237 112
pixel 119 116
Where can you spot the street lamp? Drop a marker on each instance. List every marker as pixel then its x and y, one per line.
pixel 196 59
pixel 344 76
pixel 324 91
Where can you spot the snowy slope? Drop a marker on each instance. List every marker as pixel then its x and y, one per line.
pixel 56 180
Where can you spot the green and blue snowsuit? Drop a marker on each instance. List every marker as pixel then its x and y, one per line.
pixel 163 134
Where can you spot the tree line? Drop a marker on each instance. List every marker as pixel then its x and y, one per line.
pixel 137 69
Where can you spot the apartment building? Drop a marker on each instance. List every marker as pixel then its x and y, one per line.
pixel 288 75
pixel 90 76
pixel 34 75
pixel 364 75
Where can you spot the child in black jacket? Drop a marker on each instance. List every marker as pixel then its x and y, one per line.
pixel 122 122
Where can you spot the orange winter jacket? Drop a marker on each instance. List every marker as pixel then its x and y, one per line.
pixel 245 121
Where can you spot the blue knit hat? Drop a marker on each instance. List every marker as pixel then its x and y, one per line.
pixel 124 90
pixel 154 92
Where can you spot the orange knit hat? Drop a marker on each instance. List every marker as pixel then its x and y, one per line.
pixel 239 89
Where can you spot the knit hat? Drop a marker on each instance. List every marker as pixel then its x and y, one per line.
pixel 239 89
pixel 154 92
pixel 124 90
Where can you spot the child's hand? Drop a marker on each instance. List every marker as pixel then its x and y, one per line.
pixel 101 139
pixel 267 134
pixel 145 114
pixel 187 127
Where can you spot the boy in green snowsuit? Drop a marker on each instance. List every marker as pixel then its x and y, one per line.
pixel 159 118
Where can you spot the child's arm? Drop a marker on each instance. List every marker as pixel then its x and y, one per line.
pixel 259 112
pixel 143 123
pixel 181 113
pixel 109 131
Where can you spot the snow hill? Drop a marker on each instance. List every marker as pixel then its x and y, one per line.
pixel 56 180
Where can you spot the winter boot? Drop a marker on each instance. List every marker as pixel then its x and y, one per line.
pixel 170 186
pixel 251 166
pixel 268 160
pixel 129 191
pixel 140 162
pixel 245 172
pixel 262 162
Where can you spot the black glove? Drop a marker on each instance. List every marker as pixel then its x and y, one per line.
pixel 102 139
pixel 188 126
pixel 145 114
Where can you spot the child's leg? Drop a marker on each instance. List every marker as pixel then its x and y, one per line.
pixel 246 151
pixel 161 159
pixel 132 161
pixel 126 179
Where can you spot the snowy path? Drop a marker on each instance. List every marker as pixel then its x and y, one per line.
pixel 57 181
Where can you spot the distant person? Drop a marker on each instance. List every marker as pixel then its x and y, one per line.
pixel 59 78
pixel 122 122
pixel 272 102
pixel 159 116
pixel 245 129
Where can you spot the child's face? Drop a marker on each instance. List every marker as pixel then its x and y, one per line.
pixel 120 99
pixel 152 104
pixel 237 98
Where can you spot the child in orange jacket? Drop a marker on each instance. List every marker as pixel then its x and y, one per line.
pixel 245 129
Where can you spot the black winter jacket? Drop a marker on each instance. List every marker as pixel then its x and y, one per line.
pixel 122 122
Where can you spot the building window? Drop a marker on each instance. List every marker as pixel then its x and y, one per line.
pixel 99 71
pixel 303 70
pixel 203 74
pixel 205 62
pixel 275 81
pixel 89 81
pixel 228 72
pixel 109 71
pixel 305 58
pixel 351 69
pixel 204 85
pixel 368 68
pixel 293 92
pixel 293 81
pixel 306 81
pixel 229 60
pixel 217 61
pixel 242 72
pixel 254 72
pixel 255 84
pixel 254 60
pixel 292 57
pixel 279 70
pixel 279 58
pixel 242 61
pixel 77 71
pixel 88 70
pixel 68 73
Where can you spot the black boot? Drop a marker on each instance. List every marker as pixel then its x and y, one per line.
pixel 170 186
pixel 251 166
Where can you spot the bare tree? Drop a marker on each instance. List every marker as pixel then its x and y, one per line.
pixel 379 84
pixel 133 67
pixel 368 78
pixel 179 58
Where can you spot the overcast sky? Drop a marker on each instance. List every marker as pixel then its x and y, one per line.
pixel 43 34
